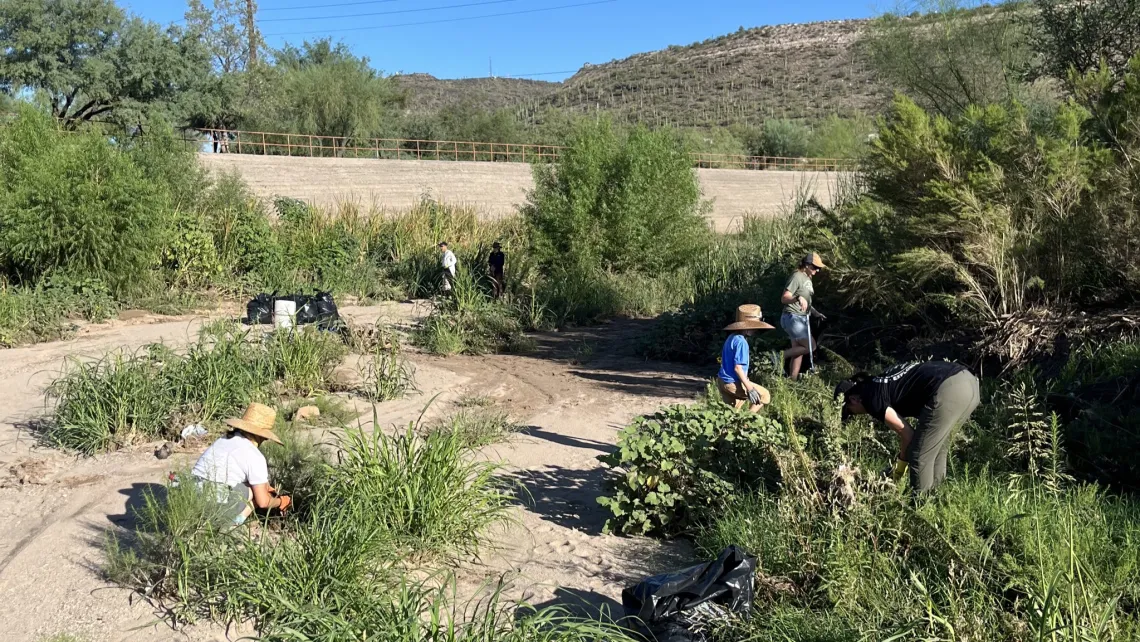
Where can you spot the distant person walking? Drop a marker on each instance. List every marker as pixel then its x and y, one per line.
pixel 732 378
pixel 940 394
pixel 496 264
pixel 447 262
pixel 798 310
pixel 235 472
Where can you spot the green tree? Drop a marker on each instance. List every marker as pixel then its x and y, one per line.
pixel 325 90
pixel 1080 35
pixel 953 53
pixel 625 203
pixel 227 33
pixel 88 60
pixel 784 139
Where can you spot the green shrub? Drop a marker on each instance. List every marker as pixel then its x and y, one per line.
pixel 682 462
pixel 618 203
pixel 304 358
pixel 74 203
pixel 784 139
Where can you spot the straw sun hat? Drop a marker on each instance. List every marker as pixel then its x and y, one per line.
pixel 258 420
pixel 748 318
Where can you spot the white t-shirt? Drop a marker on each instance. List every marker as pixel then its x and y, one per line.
pixel 449 261
pixel 232 461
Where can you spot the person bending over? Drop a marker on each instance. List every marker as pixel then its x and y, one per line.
pixel 732 379
pixel 941 395
pixel 236 471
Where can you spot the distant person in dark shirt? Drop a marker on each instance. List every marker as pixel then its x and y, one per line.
pixel 941 395
pixel 497 262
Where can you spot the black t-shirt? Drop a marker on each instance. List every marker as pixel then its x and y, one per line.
pixel 907 387
pixel 496 260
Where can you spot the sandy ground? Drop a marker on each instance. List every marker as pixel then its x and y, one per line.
pixel 573 394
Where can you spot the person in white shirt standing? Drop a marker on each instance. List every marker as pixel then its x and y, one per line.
pixel 448 261
pixel 234 469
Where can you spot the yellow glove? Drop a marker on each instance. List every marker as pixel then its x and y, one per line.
pixel 899 470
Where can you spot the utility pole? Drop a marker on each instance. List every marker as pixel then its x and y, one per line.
pixel 490 67
pixel 251 32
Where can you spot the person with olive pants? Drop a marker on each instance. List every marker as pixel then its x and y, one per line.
pixel 941 395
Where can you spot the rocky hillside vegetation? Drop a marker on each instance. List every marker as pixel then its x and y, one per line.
pixel 796 71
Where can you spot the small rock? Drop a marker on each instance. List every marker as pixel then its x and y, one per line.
pixel 164 450
pixel 306 413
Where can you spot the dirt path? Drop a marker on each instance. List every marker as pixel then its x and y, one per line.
pixel 573 394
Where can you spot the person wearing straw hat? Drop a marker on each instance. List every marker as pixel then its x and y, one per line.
pixel 234 468
pixel 732 379
pixel 796 319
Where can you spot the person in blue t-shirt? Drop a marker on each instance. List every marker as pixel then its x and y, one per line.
pixel 732 380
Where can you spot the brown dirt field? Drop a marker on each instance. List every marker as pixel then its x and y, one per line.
pixel 58 508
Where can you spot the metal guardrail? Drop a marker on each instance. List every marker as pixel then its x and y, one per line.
pixel 315 146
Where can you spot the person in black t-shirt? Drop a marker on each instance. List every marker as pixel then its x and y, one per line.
pixel 941 395
pixel 496 262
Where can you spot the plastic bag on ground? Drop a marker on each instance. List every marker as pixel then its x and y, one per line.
pixel 678 606
pixel 260 309
pixel 328 317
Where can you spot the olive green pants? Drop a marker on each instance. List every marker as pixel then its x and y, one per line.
pixel 950 407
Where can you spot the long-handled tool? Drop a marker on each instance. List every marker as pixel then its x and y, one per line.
pixel 811 345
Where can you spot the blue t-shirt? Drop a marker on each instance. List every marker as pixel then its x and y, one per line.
pixel 734 353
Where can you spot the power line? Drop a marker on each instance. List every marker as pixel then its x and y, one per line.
pixel 435 22
pixel 326 6
pixel 388 13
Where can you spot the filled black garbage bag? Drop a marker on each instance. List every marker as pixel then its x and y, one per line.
pixel 306 308
pixel 672 607
pixel 328 318
pixel 259 310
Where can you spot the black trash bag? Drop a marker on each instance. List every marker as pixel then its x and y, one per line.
pixel 260 309
pixel 673 607
pixel 306 308
pixel 328 318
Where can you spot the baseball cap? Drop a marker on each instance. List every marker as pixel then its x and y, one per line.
pixel 814 259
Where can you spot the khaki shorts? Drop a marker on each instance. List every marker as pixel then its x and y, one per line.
pixel 734 395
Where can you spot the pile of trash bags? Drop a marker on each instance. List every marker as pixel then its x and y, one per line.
pixel 318 308
pixel 685 605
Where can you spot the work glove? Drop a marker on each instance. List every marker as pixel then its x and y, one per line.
pixel 286 502
pixel 897 471
pixel 754 396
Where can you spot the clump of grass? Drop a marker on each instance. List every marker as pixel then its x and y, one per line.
pixel 477 427
pixel 474 401
pixel 304 358
pixel 110 403
pixel 386 374
pixel 422 491
pixel 129 396
pixel 335 411
pixel 468 321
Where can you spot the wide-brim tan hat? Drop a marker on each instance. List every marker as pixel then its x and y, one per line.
pixel 258 420
pixel 748 317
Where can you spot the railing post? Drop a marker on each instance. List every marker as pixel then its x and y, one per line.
pixel 263 151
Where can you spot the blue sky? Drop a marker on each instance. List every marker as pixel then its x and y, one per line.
pixel 554 43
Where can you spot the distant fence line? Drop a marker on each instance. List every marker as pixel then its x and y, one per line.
pixel 227 141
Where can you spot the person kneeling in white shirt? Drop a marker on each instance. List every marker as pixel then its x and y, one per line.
pixel 236 471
